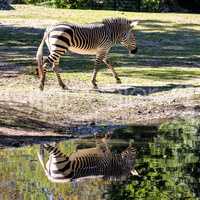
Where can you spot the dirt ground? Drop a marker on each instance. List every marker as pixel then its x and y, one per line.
pixel 54 111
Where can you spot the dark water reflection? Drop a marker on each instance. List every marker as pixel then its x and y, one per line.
pixel 167 160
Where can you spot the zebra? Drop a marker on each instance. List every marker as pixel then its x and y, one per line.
pixel 90 39
pixel 96 162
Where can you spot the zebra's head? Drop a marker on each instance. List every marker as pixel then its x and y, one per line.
pixel 128 39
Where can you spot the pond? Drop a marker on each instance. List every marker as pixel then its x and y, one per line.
pixel 168 163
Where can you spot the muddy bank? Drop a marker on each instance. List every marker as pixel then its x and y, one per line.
pixel 18 138
pixel 10 137
pixel 19 141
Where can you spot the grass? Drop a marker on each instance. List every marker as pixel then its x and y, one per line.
pixel 167 62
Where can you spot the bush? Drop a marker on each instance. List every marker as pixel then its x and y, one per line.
pixel 150 5
pixel 59 3
pixel 81 3
pixel 51 3
pixel 127 5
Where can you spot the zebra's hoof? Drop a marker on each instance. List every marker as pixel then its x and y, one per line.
pixel 94 84
pixel 95 87
pixel 41 87
pixel 118 81
pixel 64 87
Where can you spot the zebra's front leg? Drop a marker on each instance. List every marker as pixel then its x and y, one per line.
pixel 105 141
pixel 114 73
pixel 60 82
pixel 94 75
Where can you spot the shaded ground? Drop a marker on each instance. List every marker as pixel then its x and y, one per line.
pixel 19 141
pixel 160 83
pixel 18 138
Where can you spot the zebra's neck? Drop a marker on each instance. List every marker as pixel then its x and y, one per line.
pixel 116 33
pixel 117 27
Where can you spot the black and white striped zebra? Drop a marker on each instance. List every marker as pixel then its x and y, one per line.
pixel 92 39
pixel 87 163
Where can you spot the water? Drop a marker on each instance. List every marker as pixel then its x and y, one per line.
pixel 168 161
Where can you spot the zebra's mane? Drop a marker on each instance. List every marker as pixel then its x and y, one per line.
pixel 121 21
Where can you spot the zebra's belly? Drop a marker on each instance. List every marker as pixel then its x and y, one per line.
pixel 83 51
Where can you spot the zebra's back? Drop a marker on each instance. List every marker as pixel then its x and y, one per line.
pixel 81 39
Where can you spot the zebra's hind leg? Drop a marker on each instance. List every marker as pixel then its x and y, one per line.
pixel 102 143
pixel 43 76
pixel 114 73
pixel 106 138
pixel 55 69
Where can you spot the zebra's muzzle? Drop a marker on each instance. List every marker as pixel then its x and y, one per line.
pixel 134 51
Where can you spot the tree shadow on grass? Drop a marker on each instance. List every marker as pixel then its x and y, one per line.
pixel 158 47
pixel 18 46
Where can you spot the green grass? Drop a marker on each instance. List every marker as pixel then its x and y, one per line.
pixel 150 76
pixel 168 54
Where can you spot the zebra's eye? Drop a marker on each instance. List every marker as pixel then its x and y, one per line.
pixel 125 35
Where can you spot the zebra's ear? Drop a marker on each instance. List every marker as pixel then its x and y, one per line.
pixel 134 23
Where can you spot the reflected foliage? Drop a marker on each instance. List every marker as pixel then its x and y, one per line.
pixel 168 165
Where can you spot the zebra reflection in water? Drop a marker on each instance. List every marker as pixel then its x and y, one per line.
pixel 97 162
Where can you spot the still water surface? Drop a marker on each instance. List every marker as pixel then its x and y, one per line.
pixel 168 162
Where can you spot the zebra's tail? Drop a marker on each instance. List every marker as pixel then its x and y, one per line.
pixel 41 159
pixel 39 56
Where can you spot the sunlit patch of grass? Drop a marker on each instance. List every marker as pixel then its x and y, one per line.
pixel 162 74
pixel 142 76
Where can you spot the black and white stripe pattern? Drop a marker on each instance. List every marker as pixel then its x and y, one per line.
pixel 87 163
pixel 92 39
